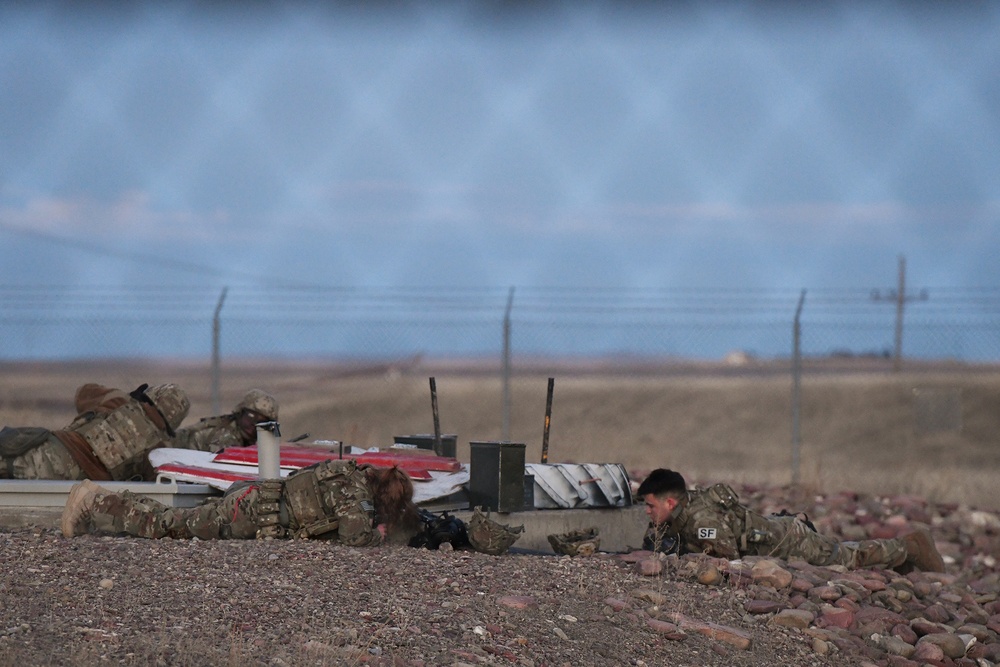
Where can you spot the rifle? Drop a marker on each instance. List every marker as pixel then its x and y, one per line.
pixel 438 529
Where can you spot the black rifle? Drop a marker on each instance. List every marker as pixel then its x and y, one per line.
pixel 437 529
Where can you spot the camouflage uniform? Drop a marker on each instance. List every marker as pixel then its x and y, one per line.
pixel 213 434
pixel 713 521
pixel 110 438
pixel 329 500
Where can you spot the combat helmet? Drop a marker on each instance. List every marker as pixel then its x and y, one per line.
pixel 489 536
pixel 171 401
pixel 584 542
pixel 260 402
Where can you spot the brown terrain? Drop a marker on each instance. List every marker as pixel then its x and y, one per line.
pixel 932 431
pixel 880 453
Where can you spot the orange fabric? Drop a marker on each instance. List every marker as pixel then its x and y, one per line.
pixel 93 397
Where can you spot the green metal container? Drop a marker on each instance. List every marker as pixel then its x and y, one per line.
pixel 496 476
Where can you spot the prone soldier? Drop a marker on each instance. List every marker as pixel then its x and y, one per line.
pixel 109 439
pixel 333 500
pixel 235 429
pixel 713 521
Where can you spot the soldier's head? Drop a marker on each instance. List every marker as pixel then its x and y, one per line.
pixel 256 406
pixel 661 492
pixel 171 401
pixel 392 493
pixel 261 402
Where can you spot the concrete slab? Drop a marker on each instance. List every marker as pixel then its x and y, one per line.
pixel 620 530
pixel 40 502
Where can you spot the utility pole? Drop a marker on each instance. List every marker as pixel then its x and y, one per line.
pixel 899 297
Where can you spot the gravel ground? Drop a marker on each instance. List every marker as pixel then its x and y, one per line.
pixel 122 601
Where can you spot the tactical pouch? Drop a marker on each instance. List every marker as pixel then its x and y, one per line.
pixel 267 508
pixel 724 495
pixel 16 442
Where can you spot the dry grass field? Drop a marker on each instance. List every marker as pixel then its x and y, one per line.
pixel 930 431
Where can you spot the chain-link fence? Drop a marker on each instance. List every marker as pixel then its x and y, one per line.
pixel 43 323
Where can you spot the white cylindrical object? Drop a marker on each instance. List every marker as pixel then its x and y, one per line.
pixel 268 455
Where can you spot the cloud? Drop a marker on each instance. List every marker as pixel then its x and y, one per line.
pixel 130 216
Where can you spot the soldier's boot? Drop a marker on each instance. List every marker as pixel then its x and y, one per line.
pixel 76 514
pixel 921 552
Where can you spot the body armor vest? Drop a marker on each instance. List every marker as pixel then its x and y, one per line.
pixel 303 493
pixel 120 439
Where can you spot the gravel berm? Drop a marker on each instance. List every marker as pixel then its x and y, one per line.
pixel 123 601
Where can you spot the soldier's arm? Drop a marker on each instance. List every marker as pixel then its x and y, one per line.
pixel 356 528
pixel 711 535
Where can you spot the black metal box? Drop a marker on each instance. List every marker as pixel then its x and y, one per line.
pixel 496 476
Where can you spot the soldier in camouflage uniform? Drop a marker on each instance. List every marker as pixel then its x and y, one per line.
pixel 236 429
pixel 332 500
pixel 713 521
pixel 110 438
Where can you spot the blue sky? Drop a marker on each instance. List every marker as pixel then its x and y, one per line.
pixel 382 144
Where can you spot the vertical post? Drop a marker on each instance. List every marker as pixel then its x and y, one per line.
pixel 216 327
pixel 506 367
pixel 899 297
pixel 548 421
pixel 438 449
pixel 796 386
pixel 897 359
pixel 268 450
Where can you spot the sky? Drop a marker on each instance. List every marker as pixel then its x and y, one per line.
pixel 580 144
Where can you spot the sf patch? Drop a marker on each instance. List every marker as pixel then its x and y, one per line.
pixel 707 533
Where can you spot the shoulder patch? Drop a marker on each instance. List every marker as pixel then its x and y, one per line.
pixel 707 533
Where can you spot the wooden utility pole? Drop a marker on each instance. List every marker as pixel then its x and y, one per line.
pixel 899 297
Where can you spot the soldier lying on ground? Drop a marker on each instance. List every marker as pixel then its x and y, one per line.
pixel 333 500
pixel 713 521
pixel 110 438
pixel 236 429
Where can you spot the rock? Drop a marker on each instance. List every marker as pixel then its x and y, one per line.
pixel 793 618
pixel 517 601
pixel 709 575
pixel 924 627
pixel 835 617
pixel 655 597
pixel 882 618
pixel 649 567
pixel 770 573
pixel 980 632
pixel 732 636
pixel 670 630
pixel 937 614
pixel 763 606
pixel 616 604
pixel 950 644
pixel 904 632
pixel 927 652
pixel 893 645
pixel 825 593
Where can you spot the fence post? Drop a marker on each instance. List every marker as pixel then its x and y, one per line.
pixel 506 367
pixel 216 402
pixel 796 386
